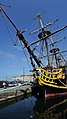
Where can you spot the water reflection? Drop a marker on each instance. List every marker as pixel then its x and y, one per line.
pixel 21 108
pixel 51 109
pixel 13 101
pixel 30 107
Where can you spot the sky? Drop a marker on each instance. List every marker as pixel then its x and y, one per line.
pixel 22 12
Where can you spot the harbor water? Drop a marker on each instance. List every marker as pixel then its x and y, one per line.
pixel 31 107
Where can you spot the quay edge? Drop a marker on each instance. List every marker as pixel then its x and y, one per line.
pixel 11 93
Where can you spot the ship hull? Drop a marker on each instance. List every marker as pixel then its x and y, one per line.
pixel 48 91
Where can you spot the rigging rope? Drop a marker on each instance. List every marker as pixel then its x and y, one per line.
pixel 25 55
pixel 62 83
pixel 33 27
pixel 7 27
pixel 12 39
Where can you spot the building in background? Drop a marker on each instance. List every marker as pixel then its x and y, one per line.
pixel 23 78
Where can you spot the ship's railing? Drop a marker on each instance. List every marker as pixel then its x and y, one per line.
pixel 49 75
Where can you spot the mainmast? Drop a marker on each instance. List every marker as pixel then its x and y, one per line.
pixel 42 35
pixel 21 37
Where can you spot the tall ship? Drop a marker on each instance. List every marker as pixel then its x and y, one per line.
pixel 50 75
pixel 50 80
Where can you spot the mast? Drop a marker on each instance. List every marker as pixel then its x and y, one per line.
pixel 54 51
pixel 42 35
pixel 21 37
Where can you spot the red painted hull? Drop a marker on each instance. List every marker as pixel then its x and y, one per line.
pixel 55 94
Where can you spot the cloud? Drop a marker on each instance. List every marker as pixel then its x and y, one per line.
pixel 7 55
pixel 1 53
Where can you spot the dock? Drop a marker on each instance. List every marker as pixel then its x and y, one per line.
pixel 10 93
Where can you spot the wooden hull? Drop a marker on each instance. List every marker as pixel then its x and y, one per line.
pixel 48 91
pixel 53 92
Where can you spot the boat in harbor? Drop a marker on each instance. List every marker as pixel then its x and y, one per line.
pixel 50 79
